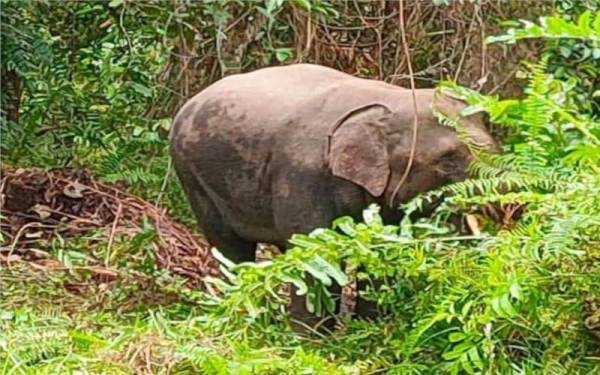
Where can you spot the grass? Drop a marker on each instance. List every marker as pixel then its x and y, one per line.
pixel 70 319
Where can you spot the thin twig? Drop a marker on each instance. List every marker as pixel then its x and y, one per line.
pixel 164 184
pixel 309 34
pixel 219 53
pixel 122 27
pixel 20 233
pixel 508 77
pixel 465 49
pixel 112 235
pixel 483 73
pixel 413 145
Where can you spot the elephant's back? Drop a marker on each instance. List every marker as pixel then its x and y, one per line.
pixel 269 100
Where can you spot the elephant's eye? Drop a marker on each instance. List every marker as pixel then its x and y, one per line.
pixel 449 162
pixel 448 166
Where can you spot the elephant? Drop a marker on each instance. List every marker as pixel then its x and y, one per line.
pixel 286 149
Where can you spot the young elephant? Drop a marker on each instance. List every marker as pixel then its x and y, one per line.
pixel 284 150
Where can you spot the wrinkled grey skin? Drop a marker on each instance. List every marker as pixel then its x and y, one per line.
pixel 284 150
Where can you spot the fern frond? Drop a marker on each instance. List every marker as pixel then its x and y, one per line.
pixel 454 122
pixel 554 27
pixel 566 233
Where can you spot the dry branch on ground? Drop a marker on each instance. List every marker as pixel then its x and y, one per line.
pixel 38 205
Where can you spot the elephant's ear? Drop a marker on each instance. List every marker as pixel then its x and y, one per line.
pixel 358 152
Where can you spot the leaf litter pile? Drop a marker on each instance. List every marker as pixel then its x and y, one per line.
pixel 39 206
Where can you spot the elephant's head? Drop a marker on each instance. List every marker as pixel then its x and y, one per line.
pixel 371 146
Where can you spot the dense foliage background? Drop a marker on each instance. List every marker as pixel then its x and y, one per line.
pixel 95 85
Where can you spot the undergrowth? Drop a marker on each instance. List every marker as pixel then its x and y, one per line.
pixel 517 295
pixel 520 296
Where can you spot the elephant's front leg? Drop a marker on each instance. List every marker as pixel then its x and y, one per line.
pixel 305 322
pixel 311 201
pixel 302 320
pixel 366 309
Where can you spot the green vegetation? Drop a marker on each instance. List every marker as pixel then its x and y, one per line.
pixel 518 294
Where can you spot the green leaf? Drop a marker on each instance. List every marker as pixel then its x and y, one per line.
pixel 115 3
pixel 218 283
pixel 310 306
pixel 456 336
pixel 221 258
pixel 471 110
pixel 457 351
pixel 305 4
pixel 137 131
pixel 305 241
pixel 505 306
pixel 475 358
pixel 300 285
pixel 253 310
pixel 568 29
pixel 328 301
pixel 85 339
pixel 466 363
pixel 466 308
pixel 6 314
pixel 371 215
pixel 313 302
pixel 273 5
pixel 515 291
pixel 505 38
pixel 230 276
pixel 314 270
pixel 597 24
pixel 283 54
pixel 328 236
pixel 584 22
pixel 496 307
pixel 332 270
pixel 255 265
pixel 141 89
pixel 346 224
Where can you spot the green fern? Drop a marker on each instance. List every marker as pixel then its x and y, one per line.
pixel 587 27
pixel 33 339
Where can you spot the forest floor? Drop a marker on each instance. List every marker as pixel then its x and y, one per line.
pixel 87 272
pixel 67 203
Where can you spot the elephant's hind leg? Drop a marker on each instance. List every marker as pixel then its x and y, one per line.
pixel 219 234
pixel 211 223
